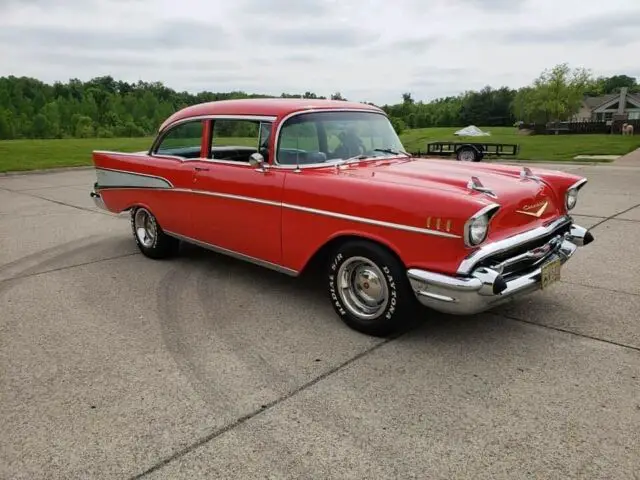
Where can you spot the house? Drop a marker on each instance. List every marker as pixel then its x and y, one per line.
pixel 604 107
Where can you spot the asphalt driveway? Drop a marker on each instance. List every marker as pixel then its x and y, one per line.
pixel 116 366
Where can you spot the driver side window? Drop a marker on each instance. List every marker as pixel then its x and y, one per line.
pixel 182 141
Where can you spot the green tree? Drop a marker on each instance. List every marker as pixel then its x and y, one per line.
pixel 6 125
pixel 555 95
pixel 105 106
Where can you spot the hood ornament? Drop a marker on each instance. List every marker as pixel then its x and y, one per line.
pixel 476 184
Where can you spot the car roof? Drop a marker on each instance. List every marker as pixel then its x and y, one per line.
pixel 277 107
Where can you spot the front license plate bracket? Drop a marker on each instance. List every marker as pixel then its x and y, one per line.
pixel 550 273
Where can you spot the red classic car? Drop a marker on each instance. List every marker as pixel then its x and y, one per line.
pixel 286 182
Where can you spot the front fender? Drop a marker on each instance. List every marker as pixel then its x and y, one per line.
pixel 423 227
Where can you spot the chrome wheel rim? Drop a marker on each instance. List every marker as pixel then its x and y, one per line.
pixel 362 288
pixel 145 227
pixel 466 156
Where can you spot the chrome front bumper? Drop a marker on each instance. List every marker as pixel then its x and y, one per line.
pixel 488 286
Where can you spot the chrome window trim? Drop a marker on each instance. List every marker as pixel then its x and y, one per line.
pixel 162 134
pixel 506 244
pixel 262 120
pixel 276 164
pixel 220 116
pixel 173 157
pixel 222 162
pixel 164 131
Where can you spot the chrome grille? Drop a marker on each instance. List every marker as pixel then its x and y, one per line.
pixel 527 255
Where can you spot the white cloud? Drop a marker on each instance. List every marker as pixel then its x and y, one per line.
pixel 368 50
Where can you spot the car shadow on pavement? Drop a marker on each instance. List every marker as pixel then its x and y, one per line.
pixel 309 288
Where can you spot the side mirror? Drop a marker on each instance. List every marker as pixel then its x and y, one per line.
pixel 257 160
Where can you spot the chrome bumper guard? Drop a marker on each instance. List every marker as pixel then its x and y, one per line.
pixel 490 285
pixel 97 199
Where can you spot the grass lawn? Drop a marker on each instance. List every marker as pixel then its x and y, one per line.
pixel 532 147
pixel 37 154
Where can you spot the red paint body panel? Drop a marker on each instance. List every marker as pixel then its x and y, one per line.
pixel 169 206
pixel 284 217
pixel 247 227
pixel 278 107
pixel 347 192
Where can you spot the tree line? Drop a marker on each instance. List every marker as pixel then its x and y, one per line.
pixel 105 107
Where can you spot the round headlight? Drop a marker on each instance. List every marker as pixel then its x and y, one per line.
pixel 478 229
pixel 571 198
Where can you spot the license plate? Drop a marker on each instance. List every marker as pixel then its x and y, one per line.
pixel 550 273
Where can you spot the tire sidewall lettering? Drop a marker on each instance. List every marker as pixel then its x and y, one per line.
pixel 334 296
pixel 393 293
pixel 392 306
pixel 336 262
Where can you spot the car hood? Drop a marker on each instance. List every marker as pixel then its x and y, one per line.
pixel 523 202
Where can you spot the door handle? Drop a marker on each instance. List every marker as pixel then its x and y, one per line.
pixel 201 169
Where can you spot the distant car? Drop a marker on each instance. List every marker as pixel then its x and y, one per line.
pixel 284 182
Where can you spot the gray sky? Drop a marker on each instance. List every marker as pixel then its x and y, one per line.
pixel 369 50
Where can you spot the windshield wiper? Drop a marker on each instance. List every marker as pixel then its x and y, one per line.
pixel 362 156
pixel 342 161
pixel 391 151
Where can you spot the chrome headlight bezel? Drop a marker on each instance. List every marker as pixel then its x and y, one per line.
pixel 476 228
pixel 571 195
pixel 571 199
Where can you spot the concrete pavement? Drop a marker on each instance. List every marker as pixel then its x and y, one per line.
pixel 117 366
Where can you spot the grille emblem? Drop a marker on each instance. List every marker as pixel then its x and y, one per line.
pixel 535 209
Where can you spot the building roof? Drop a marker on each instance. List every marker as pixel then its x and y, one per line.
pixel 634 97
pixel 277 107
pixel 593 102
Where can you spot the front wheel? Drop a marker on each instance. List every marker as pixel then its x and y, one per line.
pixel 149 236
pixel 369 289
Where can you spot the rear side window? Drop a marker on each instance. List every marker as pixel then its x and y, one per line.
pixel 182 140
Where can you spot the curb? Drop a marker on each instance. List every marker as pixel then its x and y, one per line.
pixel 42 171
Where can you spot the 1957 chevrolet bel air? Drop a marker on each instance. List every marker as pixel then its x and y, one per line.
pixel 286 182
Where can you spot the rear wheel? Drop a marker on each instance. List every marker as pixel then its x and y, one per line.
pixel 468 154
pixel 368 288
pixel 149 236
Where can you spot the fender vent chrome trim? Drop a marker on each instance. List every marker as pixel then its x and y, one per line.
pixel 527 174
pixel 476 184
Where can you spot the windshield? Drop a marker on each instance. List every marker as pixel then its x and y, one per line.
pixel 333 136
